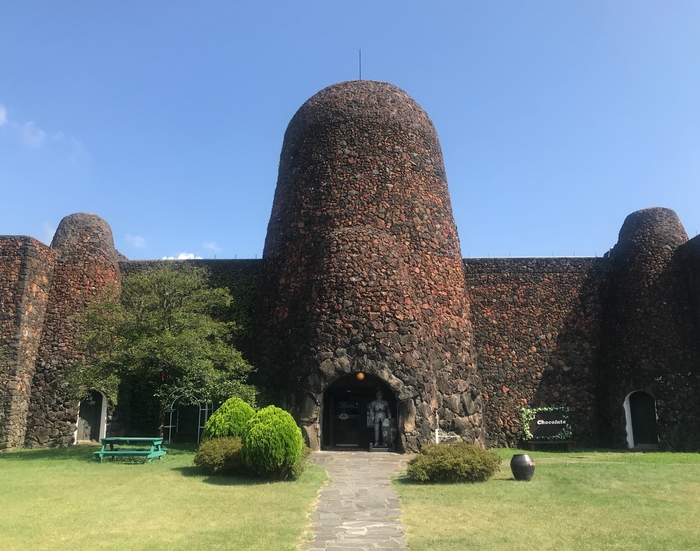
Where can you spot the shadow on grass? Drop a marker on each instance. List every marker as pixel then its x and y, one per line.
pixel 73 453
pixel 404 480
pixel 84 452
pixel 223 480
pixel 179 449
pixel 69 454
pixel 560 449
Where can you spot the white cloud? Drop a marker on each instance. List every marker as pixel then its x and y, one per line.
pixel 212 247
pixel 136 241
pixel 31 135
pixel 182 256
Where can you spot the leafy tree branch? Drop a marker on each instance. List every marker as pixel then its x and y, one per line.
pixel 165 326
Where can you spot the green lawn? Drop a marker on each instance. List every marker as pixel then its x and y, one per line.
pixel 62 499
pixel 577 501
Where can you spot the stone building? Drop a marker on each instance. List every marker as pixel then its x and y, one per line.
pixel 362 288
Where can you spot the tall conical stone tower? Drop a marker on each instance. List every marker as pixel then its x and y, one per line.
pixel 650 346
pixel 86 266
pixel 362 270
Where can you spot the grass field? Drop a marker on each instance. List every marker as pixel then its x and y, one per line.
pixel 593 501
pixel 63 500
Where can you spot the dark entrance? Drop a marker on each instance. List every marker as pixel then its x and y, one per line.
pixel 184 423
pixel 187 419
pixel 89 418
pixel 344 423
pixel 643 417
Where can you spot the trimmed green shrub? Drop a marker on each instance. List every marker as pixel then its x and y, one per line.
pixel 300 466
pixel 228 420
pixel 221 456
pixel 272 443
pixel 453 463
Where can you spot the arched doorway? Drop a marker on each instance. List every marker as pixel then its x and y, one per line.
pixel 640 413
pixel 344 424
pixel 92 418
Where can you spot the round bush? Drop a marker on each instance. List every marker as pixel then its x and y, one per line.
pixel 220 456
pixel 272 443
pixel 228 420
pixel 300 466
pixel 453 463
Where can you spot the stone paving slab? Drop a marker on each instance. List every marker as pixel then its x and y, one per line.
pixel 358 509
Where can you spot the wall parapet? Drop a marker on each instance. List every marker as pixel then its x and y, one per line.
pixel 587 264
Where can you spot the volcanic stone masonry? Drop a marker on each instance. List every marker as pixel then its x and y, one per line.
pixel 26 267
pixel 362 270
pixel 86 265
pixel 650 329
pixel 362 273
pixel 536 338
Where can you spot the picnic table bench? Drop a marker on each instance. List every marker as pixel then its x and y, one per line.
pixel 134 446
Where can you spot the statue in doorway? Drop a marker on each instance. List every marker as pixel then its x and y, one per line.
pixel 379 413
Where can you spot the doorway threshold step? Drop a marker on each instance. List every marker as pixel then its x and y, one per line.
pixel 382 449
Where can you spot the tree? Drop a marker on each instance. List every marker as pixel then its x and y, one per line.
pixel 164 328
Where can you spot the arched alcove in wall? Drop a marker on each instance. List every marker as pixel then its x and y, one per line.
pixel 344 422
pixel 640 414
pixel 92 418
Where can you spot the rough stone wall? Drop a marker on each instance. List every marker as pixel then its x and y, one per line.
pixel 536 339
pixel 25 274
pixel 650 338
pixel 86 265
pixel 362 268
pixel 362 272
pixel 689 255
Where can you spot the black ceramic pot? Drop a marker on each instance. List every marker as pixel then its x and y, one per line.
pixel 523 467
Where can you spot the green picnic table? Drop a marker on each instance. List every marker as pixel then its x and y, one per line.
pixel 131 446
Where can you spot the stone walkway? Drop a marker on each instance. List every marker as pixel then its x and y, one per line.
pixel 358 509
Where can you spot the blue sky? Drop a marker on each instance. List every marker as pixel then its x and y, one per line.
pixel 556 119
